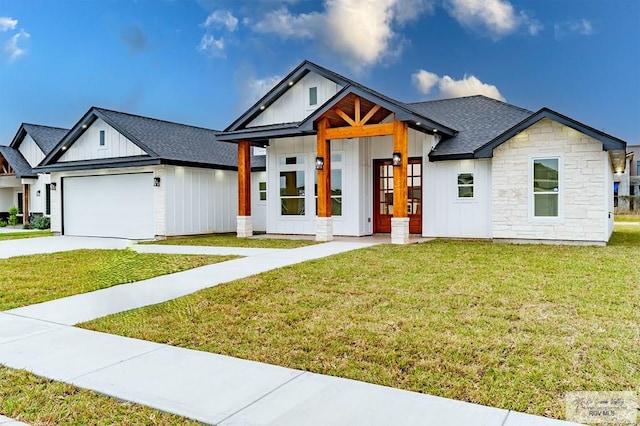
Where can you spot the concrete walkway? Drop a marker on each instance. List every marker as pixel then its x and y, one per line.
pixel 209 387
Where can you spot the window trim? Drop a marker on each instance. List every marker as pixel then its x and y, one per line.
pixel 472 186
pixel 102 139
pixel 531 203
pixel 315 93
pixel 262 191
pixel 297 168
pixel 335 165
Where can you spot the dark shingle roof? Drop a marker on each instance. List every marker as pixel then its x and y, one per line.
pixel 45 137
pixel 478 120
pixel 173 141
pixel 17 162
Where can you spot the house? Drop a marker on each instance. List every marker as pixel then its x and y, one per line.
pixel 627 183
pixel 343 159
pixel 121 175
pixel 20 184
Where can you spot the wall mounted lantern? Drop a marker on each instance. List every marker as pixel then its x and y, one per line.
pixel 38 193
pixel 319 163
pixel 396 159
pixel 53 186
pixel 156 181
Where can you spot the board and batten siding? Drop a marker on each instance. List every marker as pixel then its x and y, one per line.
pixel 258 207
pixel 87 146
pixel 31 151
pixel 584 205
pixel 293 105
pixel 446 215
pixel 200 201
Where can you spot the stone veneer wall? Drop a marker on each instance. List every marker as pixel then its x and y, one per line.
pixel 583 202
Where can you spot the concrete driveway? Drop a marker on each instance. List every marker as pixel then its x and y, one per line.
pixel 26 246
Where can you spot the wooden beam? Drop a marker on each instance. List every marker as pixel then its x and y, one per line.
pixel 401 145
pixel 25 203
pixel 344 116
pixel 244 178
pixel 368 116
pixel 383 129
pixel 356 116
pixel 324 175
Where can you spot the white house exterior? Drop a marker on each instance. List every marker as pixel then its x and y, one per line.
pixel 20 184
pixel 120 175
pixel 475 167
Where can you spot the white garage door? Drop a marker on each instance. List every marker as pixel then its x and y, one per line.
pixel 109 206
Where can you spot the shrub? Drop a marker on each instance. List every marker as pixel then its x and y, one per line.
pixel 41 222
pixel 13 216
pixel 3 223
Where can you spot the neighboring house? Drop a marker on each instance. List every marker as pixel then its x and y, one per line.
pixel 627 184
pixel 343 159
pixel 20 184
pixel 121 175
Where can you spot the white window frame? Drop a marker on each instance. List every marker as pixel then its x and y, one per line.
pixel 309 104
pixel 298 168
pixel 472 186
pixel 335 165
pixel 530 177
pixel 101 132
pixel 263 191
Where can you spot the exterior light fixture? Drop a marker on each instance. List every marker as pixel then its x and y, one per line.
pixel 64 148
pixel 38 193
pixel 84 126
pixel 319 163
pixel 418 123
pixel 53 186
pixel 156 181
pixel 291 83
pixel 262 107
pixel 396 159
pixel 435 131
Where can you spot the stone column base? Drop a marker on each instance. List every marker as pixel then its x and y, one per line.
pixel 399 230
pixel 244 226
pixel 324 229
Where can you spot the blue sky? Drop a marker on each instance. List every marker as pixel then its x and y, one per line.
pixel 204 62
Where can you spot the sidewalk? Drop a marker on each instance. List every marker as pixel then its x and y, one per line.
pixel 208 387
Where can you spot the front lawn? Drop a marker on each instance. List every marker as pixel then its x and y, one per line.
pixel 627 218
pixel 230 240
pixel 26 280
pixel 39 401
pixel 512 326
pixel 22 234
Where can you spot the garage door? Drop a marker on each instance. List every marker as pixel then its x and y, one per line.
pixel 109 206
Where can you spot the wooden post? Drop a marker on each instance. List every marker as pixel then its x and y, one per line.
pixel 25 203
pixel 401 145
pixel 324 175
pixel 244 178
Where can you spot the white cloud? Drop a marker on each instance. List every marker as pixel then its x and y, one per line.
pixel 7 23
pixel 286 25
pixel 497 18
pixel 211 46
pixel 11 46
pixel 425 80
pixel 469 85
pixel 222 18
pixel 361 32
pixel 258 87
pixel 581 27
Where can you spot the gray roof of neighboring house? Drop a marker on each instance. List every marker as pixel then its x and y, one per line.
pixel 17 162
pixel 163 141
pixel 478 120
pixel 45 137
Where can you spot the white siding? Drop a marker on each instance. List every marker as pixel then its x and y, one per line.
pixel 37 202
pixel 31 151
pixel 200 201
pixel 258 208
pixel 608 193
pixel 87 146
pixel 446 215
pixel 6 199
pixel 293 105
pixel 583 197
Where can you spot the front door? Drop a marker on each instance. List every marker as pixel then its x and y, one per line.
pixel 383 195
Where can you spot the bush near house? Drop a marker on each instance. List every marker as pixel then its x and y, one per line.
pixel 40 222
pixel 13 216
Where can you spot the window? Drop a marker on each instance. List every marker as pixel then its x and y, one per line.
pixel 313 96
pixel 262 189
pixel 546 187
pixel 465 185
pixel 20 202
pixel 292 186
pixel 102 140
pixel 336 185
pixel 47 199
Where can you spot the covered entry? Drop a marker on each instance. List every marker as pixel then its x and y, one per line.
pixel 108 206
pixel 383 195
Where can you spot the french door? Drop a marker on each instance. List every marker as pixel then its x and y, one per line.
pixel 383 195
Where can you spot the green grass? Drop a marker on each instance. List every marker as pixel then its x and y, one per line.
pixel 627 218
pixel 19 235
pixel 25 280
pixel 512 326
pixel 230 240
pixel 39 401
